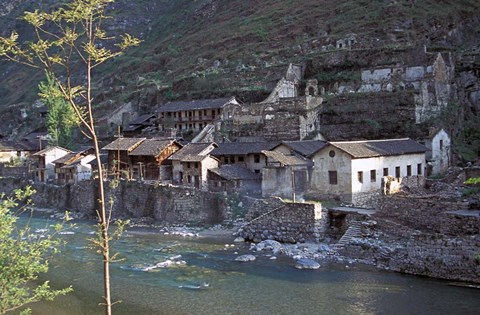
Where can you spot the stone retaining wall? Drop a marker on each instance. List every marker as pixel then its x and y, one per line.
pixel 164 203
pixel 288 222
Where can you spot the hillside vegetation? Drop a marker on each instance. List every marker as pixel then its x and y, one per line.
pixel 206 48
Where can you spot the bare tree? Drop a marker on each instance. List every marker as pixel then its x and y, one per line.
pixel 71 40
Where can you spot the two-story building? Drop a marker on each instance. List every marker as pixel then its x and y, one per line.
pixel 191 115
pixel 44 167
pixel 191 164
pixel 74 167
pixel 118 154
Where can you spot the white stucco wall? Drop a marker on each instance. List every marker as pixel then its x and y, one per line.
pixel 440 154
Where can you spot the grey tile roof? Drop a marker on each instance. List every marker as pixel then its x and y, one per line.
pixel 142 119
pixel 235 172
pixel 307 147
pixel 6 145
pixel 243 148
pixel 195 104
pixel 274 156
pixel 123 144
pixel 153 147
pixel 192 152
pixel 373 148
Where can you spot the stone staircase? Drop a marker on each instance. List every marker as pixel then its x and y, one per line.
pixel 353 231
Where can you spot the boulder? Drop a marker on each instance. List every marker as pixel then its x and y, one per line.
pixel 239 240
pixel 305 263
pixel 272 245
pixel 245 258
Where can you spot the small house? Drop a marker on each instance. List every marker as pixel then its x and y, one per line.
pixel 234 178
pixel 136 126
pixel 191 164
pixel 354 171
pixel 119 154
pixel 439 154
pixel 74 167
pixel 149 159
pixel 44 167
pixel 285 175
pixel 246 154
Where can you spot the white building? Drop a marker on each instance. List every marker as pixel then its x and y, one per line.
pixel 45 168
pixel 352 171
pixel 439 155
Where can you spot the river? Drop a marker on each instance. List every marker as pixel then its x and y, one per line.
pixel 211 282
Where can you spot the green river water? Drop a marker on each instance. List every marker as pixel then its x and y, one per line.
pixel 263 286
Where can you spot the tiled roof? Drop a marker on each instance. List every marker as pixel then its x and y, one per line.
pixel 235 172
pixel 141 119
pixel 45 151
pixel 123 144
pixel 192 152
pixel 152 147
pixel 307 147
pixel 243 148
pixel 195 104
pixel 6 145
pixel 72 157
pixel 284 159
pixel 372 148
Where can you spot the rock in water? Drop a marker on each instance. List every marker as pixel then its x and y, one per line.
pixel 305 263
pixel 245 258
pixel 239 240
pixel 272 245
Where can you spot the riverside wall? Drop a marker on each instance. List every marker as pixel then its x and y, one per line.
pixel 131 199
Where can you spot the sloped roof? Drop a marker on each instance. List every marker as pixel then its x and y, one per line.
pixel 45 151
pixel 152 147
pixel 235 172
pixel 192 152
pixel 6 145
pixel 72 157
pixel 195 104
pixel 285 159
pixel 307 147
pixel 123 144
pixel 142 119
pixel 243 148
pixel 373 148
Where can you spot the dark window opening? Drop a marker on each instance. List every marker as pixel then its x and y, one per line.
pixel 409 170
pixel 373 176
pixel 256 158
pixel 332 177
pixel 331 153
pixel 232 159
pixel 385 171
pixel 188 164
pixel 441 145
pixel 397 171
pixel 257 171
pixel 360 177
pixel 419 169
pixel 241 159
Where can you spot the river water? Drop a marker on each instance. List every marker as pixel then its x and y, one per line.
pixel 211 282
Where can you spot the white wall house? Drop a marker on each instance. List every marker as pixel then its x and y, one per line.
pixel 353 170
pixel 45 169
pixel 439 155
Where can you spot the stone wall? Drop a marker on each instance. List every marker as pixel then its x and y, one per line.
pixel 163 203
pixel 288 222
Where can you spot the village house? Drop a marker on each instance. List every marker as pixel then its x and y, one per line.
pixel 11 151
pixel 285 175
pixel 354 171
pixel 234 179
pixel 303 148
pixel 136 126
pixel 191 164
pixel 439 154
pixel 191 115
pixel 246 154
pixel 118 154
pixel 74 167
pixel 149 159
pixel 44 167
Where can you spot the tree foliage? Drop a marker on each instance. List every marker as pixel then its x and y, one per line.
pixel 23 256
pixel 61 119
pixel 72 39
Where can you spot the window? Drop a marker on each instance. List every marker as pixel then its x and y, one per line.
pixel 196 164
pixel 232 159
pixel 331 153
pixel 409 170
pixel 419 168
pixel 256 158
pixel 332 177
pixel 397 171
pixel 360 177
pixel 225 159
pixel 257 171
pixel 373 176
pixel 385 171
pixel 441 145
pixel 188 164
pixel 241 159
pixel 175 115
